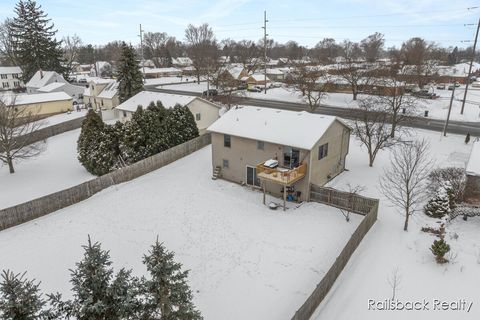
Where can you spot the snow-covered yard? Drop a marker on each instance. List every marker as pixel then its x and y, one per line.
pixel 63 117
pixel 190 87
pixel 246 261
pixel 388 247
pixel 53 170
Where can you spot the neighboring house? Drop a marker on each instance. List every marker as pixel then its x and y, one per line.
pixel 181 62
pixel 472 188
pixel 233 74
pixel 108 98
pixel 255 79
pixel 92 92
pixel 101 69
pixel 10 78
pixel 42 78
pixel 204 112
pixel 310 149
pixel 76 92
pixel 275 74
pixel 43 103
pixel 161 72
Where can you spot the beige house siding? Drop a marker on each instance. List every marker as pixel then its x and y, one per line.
pixel 207 111
pixel 108 103
pixel 46 108
pixel 321 171
pixel 244 152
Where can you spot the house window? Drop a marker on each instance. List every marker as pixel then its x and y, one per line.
pixel 198 117
pixel 16 83
pixel 124 113
pixel 291 157
pixel 101 102
pixel 15 76
pixel 260 145
pixel 5 85
pixel 323 151
pixel 227 141
pixel 4 76
pixel 225 164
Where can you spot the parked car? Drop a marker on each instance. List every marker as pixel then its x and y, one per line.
pixel 424 94
pixel 210 92
pixel 441 86
pixel 242 87
pixel 254 89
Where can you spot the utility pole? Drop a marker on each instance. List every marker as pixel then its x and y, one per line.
pixel 141 50
pixel 449 111
pixel 470 68
pixel 265 47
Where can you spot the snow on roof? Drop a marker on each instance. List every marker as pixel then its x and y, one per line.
pixel 23 99
pixel 473 165
pixel 145 97
pixel 109 91
pixel 274 71
pixel 52 86
pixel 458 70
pixel 162 70
pixel 41 79
pixel 259 77
pixel 296 129
pixel 97 80
pixel 10 70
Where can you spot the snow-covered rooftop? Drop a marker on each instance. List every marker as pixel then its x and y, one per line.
pixel 52 86
pixel 162 70
pixel 10 70
pixel 473 166
pixel 145 97
pixel 23 99
pixel 109 91
pixel 296 129
pixel 42 78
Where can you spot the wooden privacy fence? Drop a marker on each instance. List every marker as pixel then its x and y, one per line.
pixel 33 209
pixel 339 199
pixel 342 200
pixel 50 131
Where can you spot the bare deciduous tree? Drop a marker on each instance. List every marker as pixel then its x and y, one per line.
pixel 312 82
pixel 372 127
pixel 248 54
pixel 202 49
pixel 155 45
pixel 352 190
pixel 404 182
pixel 71 48
pixel 372 46
pixel 16 124
pixel 394 280
pixel 6 43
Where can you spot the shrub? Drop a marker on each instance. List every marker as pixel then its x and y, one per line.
pixel 439 249
pixel 439 205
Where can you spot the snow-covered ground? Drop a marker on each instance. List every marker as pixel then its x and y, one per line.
pixel 191 87
pixel 53 170
pixel 246 261
pixel 167 80
pixel 387 247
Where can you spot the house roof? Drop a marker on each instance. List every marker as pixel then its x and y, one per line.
pixel 109 91
pixel 145 97
pixel 52 86
pixel 38 81
pixel 473 165
pixel 10 70
pixel 162 70
pixel 291 128
pixel 23 99
pixel 258 77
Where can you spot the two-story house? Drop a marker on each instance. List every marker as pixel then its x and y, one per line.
pixel 10 78
pixel 280 151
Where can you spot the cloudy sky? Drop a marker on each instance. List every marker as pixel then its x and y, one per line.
pixel 305 21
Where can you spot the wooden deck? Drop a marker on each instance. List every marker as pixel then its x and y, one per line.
pixel 282 176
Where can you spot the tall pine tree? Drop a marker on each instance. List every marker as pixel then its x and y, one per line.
pixel 34 40
pixel 129 76
pixel 167 294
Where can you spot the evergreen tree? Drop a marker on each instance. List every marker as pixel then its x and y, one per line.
pixel 34 40
pixel 133 145
pixel 129 76
pixel 439 205
pixel 98 145
pixel 167 295
pixel 439 249
pixel 180 125
pixel 20 299
pixel 97 293
pixel 452 57
pixel 467 138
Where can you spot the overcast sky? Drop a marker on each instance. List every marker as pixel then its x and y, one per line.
pixel 307 22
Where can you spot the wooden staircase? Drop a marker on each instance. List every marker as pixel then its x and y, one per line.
pixel 216 173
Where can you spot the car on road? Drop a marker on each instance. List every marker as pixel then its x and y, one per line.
pixel 210 92
pixel 424 94
pixel 254 89
pixel 441 86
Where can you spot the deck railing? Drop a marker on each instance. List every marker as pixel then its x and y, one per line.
pixel 280 175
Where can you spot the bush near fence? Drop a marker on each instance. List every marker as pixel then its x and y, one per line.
pixel 354 203
pixel 50 131
pixel 33 209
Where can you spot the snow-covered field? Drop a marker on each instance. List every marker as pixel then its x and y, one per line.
pixel 63 117
pixel 388 247
pixel 191 87
pixel 246 261
pixel 53 170
pixel 167 80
